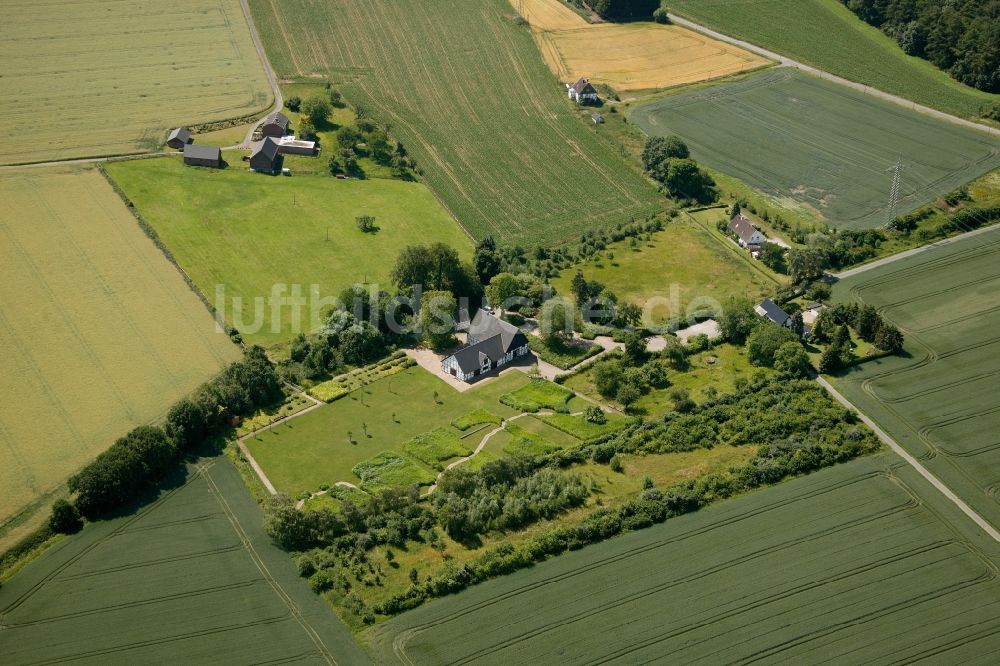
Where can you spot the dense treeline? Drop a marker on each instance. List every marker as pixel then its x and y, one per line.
pixel 143 456
pixel 624 9
pixel 961 37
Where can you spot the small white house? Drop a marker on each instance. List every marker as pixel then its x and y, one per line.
pixel 747 233
pixel 582 91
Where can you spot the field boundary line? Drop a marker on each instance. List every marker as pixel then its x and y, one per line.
pixel 905 455
pixel 868 90
pixel 917 250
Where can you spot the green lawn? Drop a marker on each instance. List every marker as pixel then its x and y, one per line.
pixel 249 232
pixel 579 427
pixel 317 448
pixel 832 148
pixel 874 575
pixel 469 96
pixel 938 399
pixel 825 34
pixel 538 394
pixel 684 267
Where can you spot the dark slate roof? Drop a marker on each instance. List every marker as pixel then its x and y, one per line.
pixel 496 339
pixel 181 133
pixel 195 151
pixel 269 148
pixel 772 311
pixel 583 87
pixel 742 227
pixel 485 325
pixel 277 117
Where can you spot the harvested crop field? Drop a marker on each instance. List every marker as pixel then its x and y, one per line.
pixel 99 331
pixel 939 401
pixel 107 77
pixel 629 56
pixel 249 232
pixel 189 578
pixel 878 576
pixel 472 101
pixel 798 137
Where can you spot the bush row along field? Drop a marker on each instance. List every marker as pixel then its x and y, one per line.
pixel 799 137
pixel 940 400
pixel 249 232
pixel 844 45
pixel 628 56
pixel 100 333
pixel 189 575
pixel 674 270
pixel 470 98
pixel 108 77
pixel 879 575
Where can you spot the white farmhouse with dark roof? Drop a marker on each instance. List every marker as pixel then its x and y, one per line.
pixel 491 344
pixel 582 91
pixel 747 232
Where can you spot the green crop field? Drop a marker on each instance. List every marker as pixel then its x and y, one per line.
pixel 468 94
pixel 680 268
pixel 844 45
pixel 940 401
pixel 845 565
pixel 250 232
pixel 189 578
pixel 99 332
pixel 803 138
pixel 106 77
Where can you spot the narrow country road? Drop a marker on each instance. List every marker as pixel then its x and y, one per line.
pixel 788 62
pixel 266 64
pixel 917 250
pixel 905 455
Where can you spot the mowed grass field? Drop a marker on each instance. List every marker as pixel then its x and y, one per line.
pixel 189 578
pixel 682 268
pixel 826 35
pixel 629 56
pixel 99 332
pixel 799 137
pixel 107 77
pixel 470 98
pixel 250 232
pixel 845 565
pixel 317 448
pixel 940 401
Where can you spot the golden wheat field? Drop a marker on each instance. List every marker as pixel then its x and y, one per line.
pixel 628 56
pixel 105 77
pixel 99 332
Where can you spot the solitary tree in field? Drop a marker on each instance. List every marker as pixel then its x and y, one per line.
pixel 317 108
pixel 366 223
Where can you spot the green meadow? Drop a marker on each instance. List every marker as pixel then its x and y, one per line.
pixel 249 232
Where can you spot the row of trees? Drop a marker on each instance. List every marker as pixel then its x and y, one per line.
pixel 961 37
pixel 117 476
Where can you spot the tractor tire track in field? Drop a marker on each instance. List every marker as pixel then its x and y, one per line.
pixel 399 642
pixel 986 527
pixel 289 603
pixel 788 62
